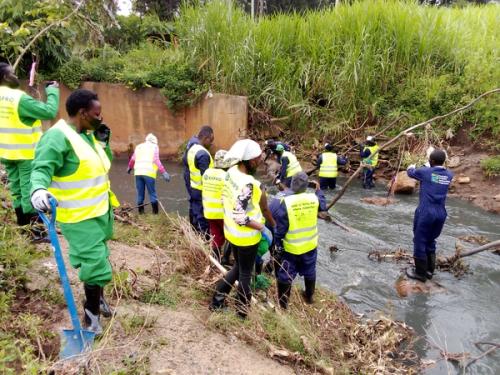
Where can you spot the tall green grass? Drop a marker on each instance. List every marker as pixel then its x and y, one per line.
pixel 326 69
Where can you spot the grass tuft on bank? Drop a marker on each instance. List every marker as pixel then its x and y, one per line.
pixel 324 336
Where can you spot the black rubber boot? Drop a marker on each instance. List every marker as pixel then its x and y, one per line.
pixel 20 217
pixel 218 302
pixel 91 308
pixel 141 210
pixel 310 285
pixel 155 208
pixel 284 290
pixel 431 264
pixel 419 272
pixel 104 307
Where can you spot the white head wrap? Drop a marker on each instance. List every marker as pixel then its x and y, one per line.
pixel 244 149
pixel 151 138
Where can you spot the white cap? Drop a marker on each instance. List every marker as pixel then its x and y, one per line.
pixel 151 138
pixel 244 149
pixel 369 138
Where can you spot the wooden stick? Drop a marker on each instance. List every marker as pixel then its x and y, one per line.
pixel 404 132
pixel 43 31
pixel 479 249
pixel 490 350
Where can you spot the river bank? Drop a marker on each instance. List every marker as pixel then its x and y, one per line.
pixel 161 289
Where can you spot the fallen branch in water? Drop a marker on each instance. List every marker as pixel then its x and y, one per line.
pixel 479 249
pixel 404 132
pixel 494 346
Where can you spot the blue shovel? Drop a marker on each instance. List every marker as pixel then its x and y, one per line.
pixel 73 341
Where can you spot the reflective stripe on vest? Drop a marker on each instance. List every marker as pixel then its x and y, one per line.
pixel 86 193
pixel 195 173
pixel 241 235
pixel 293 166
pixel 328 167
pixel 17 140
pixel 213 183
pixel 302 235
pixel 374 160
pixel 144 160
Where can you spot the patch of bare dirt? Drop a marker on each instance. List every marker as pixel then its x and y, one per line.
pixel 150 338
pixel 481 190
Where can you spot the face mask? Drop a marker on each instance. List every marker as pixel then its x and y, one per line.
pixel 95 122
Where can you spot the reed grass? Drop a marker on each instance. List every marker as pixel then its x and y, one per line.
pixel 327 69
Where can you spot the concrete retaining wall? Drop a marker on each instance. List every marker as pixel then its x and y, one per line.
pixel 133 114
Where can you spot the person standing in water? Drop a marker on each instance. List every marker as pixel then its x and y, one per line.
pixel 146 163
pixel 430 214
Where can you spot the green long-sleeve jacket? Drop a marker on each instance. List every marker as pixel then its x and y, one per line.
pixel 54 156
pixel 30 109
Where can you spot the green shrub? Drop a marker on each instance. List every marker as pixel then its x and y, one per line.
pixel 491 166
pixel 359 59
pixel 71 73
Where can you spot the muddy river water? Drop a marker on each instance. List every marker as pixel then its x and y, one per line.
pixel 467 311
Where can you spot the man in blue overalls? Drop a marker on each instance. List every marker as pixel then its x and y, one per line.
pixel 430 214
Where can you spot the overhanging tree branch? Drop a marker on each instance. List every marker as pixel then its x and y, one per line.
pixel 404 132
pixel 43 31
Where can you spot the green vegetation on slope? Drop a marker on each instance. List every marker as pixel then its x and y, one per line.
pixel 372 58
pixel 325 71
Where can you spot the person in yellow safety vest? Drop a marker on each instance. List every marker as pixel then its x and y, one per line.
pixel 245 211
pixel 328 163
pixel 289 166
pixel 213 183
pixel 296 237
pixel 369 155
pixel 196 161
pixel 72 162
pixel 145 162
pixel 20 131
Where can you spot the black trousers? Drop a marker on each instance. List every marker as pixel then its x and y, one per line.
pixel 244 261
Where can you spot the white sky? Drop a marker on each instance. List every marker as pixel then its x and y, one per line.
pixel 124 7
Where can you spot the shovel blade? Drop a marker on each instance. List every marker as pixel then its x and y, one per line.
pixel 75 342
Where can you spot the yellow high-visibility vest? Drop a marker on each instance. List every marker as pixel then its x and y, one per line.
pixel 17 140
pixel 302 235
pixel 328 167
pixel 293 166
pixel 374 160
pixel 144 160
pixel 195 173
pixel 86 193
pixel 241 235
pixel 213 183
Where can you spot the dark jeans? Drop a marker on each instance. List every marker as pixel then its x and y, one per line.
pixel 368 178
pixel 196 216
pixel 142 183
pixel 291 265
pixel 326 183
pixel 244 260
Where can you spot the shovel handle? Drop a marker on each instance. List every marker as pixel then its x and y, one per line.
pixel 56 247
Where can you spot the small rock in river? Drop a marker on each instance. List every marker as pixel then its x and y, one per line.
pixel 464 180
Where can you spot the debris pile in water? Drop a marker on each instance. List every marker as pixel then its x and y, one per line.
pixel 453 264
pixel 379 201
